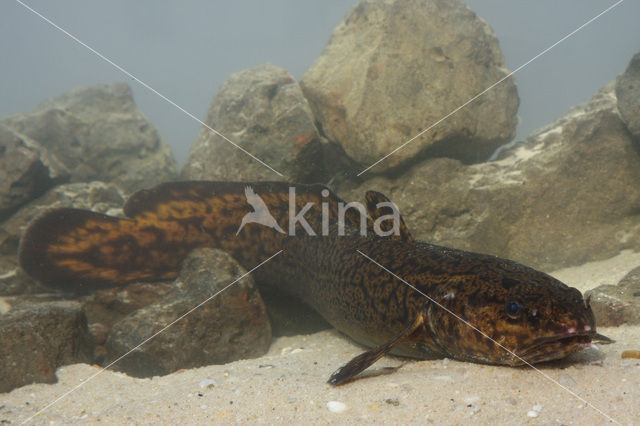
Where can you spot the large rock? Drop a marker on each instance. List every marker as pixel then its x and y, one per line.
pixel 22 174
pixel 393 68
pixel 14 281
pixel 614 305
pixel 89 133
pixel 628 93
pixel 230 326
pixel 263 111
pixel 35 339
pixel 105 307
pixel 97 196
pixel 567 195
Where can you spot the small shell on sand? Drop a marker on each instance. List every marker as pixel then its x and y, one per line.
pixel 336 406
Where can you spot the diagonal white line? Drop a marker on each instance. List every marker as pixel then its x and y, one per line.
pixel 128 74
pixel 493 340
pixel 493 85
pixel 146 340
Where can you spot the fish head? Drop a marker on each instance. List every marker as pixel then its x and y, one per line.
pixel 512 315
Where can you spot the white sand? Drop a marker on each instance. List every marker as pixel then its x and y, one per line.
pixel 289 385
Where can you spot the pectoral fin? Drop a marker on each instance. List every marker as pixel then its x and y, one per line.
pixel 602 339
pixel 364 360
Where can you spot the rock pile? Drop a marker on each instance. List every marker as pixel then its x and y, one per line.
pixel 568 194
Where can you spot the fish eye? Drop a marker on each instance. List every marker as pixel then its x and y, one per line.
pixel 513 308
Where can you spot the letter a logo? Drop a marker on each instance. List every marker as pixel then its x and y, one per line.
pixel 260 213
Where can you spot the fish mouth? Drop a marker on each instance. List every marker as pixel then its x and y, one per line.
pixel 553 347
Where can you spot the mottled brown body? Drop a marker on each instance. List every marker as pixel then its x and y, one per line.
pixel 358 296
pixel 526 311
pixel 79 250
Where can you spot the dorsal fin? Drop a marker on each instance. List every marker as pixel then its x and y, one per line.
pixel 229 193
pixel 373 200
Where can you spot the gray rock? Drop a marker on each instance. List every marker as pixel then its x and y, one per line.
pixel 614 305
pixel 262 110
pixel 22 174
pixel 393 68
pixel 628 93
pixel 565 196
pixel 110 305
pixel 106 307
pixel 96 196
pixel 35 339
pixel 231 326
pixel 92 133
pixel 13 280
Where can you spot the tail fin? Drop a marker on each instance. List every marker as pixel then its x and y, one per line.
pixel 79 250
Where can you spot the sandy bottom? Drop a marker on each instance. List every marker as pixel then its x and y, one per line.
pixel 288 384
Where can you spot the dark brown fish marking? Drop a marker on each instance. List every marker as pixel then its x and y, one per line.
pixel 532 314
pixel 79 250
pixel 552 321
pixel 377 210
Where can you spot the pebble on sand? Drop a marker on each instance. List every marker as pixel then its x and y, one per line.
pixel 336 406
pixel 207 383
pixel 535 411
